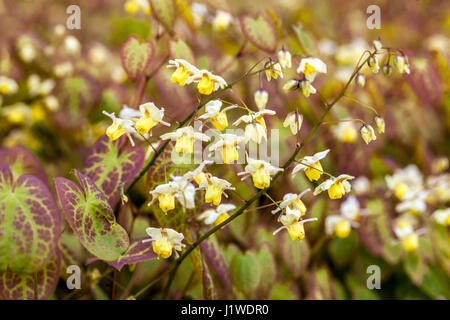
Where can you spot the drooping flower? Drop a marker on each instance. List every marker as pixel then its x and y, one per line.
pixel 184 138
pixel 165 194
pixel 215 187
pixel 261 172
pixel 119 127
pixel 311 165
pixel 285 58
pixel 361 185
pixel 261 98
pixel 373 64
pixel 274 72
pixel 146 118
pixel 294 226
pixel 218 118
pixel 336 186
pixel 37 87
pixel 340 225
pixel 438 188
pixel 291 85
pixel 345 131
pixel 360 80
pixel 256 128
pixel 402 64
pixel 228 144
pixel 294 202
pixel 221 20
pixel 183 73
pixel 442 216
pixel 207 82
pixel 8 86
pixel 216 216
pixel 294 121
pixel 165 241
pixel 381 126
pixel 367 133
pixel 310 67
pixel 197 174
pixel 307 88
pixel 377 45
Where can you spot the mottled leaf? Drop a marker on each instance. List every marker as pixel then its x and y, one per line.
pixel 216 261
pixel 29 223
pixel 178 49
pixel 209 291
pixel 113 164
pixel 320 284
pixel 165 12
pixel 136 56
pixel 245 272
pixel 305 39
pixel 91 217
pixel 268 271
pixel 21 160
pixel 28 286
pixel 260 32
pixel 295 254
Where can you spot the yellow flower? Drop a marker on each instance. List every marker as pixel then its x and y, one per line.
pixel 310 67
pixel 216 216
pixel 294 227
pixel 336 187
pixel 207 82
pixel 218 118
pixel 228 144
pixel 184 70
pixel 18 113
pixel 404 230
pixel 442 216
pixel 255 129
pixel 373 64
pixel 307 88
pixel 294 121
pixel 294 203
pixel 165 194
pixel 274 72
pixel 405 181
pixel 341 225
pixel 367 133
pixel 285 59
pixel 150 117
pixel 184 138
pixel 343 228
pixel 311 165
pixel 215 187
pixel 379 121
pixel 410 242
pixel 165 241
pixel 291 85
pixel 345 132
pixel 261 98
pixel 8 86
pixel 260 171
pixel 119 127
pixel 133 6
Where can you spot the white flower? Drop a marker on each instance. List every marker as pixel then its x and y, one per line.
pixel 215 187
pixel 345 131
pixel 218 118
pixel 183 73
pixel 367 133
pixel 261 172
pixel 184 138
pixel 8 85
pixel 221 20
pixel 37 87
pixel 285 59
pixel 120 127
pixel 216 216
pixel 261 98
pixel 361 185
pixel 228 144
pixel 307 88
pixel 311 165
pixel 442 216
pixel 404 230
pixel 413 202
pixel 255 129
pixel 72 45
pixel 294 203
pixel 336 186
pixel 310 67
pixel 207 82
pixel 147 117
pixel 381 126
pixel 294 121
pixel 351 209
pixel 404 181
pixel 165 241
pixel 402 64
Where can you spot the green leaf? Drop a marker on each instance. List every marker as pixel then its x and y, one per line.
pixel 29 223
pixel 136 56
pixel 415 267
pixel 320 284
pixel 91 217
pixel 305 39
pixel 342 250
pixel 359 290
pixel 245 272
pixel 295 254
pixel 125 27
pixel 178 49
pixel 165 12
pixel 282 292
pixel 260 32
pixel 268 271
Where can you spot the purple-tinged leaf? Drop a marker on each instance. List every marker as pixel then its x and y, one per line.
pixel 216 260
pixel 29 223
pixel 260 32
pixel 72 252
pixel 165 12
pixel 111 164
pixel 136 56
pixel 91 217
pixel 320 285
pixel 138 251
pixel 21 160
pixel 30 286
pixel 295 254
pixel 209 291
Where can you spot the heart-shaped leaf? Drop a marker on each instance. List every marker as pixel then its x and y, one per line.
pixel 245 272
pixel 260 32
pixel 165 12
pixel 216 260
pixel 136 56
pixel 268 271
pixel 21 160
pixel 295 254
pixel 29 223
pixel 92 218
pixel 111 164
pixel 178 49
pixel 305 39
pixel 29 286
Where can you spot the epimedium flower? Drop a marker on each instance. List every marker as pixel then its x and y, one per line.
pixel 293 202
pixel 207 82
pixel 218 118
pixel 373 64
pixel 310 67
pixel 184 71
pixel 8 86
pixel 294 121
pixel 147 117
pixel 306 88
pixel 294 226
pixel 37 87
pixel 438 188
pixel 336 186
pixel 402 64
pixel 345 131
pixel 260 171
pixel 311 165
pixel 216 216
pixel 405 181
pixel 413 202
pixel 256 128
pixel 221 20
pixel 404 231
pixel 360 80
pixel 261 98
pixel 120 127
pixel 197 174
pixel 133 6
pixel 367 133
pixel 165 241
pixel 377 45
pixel 215 187
pixel 274 72
pixel 291 85
pixel 285 58
pixel 228 144
pixel 184 138
pixel 381 126
pixel 165 194
pixel 442 216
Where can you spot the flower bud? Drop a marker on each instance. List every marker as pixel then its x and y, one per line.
pixel 373 64
pixel 261 98
pixel 291 85
pixel 379 121
pixel 387 69
pixel 367 133
pixel 377 45
pixel 285 59
pixel 360 80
